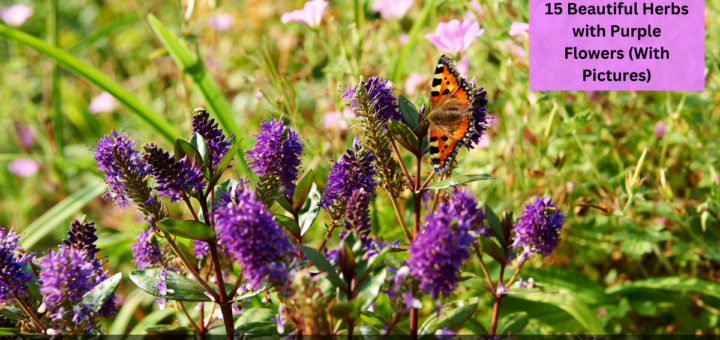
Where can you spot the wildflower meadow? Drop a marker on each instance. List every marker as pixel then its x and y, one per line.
pixel 341 168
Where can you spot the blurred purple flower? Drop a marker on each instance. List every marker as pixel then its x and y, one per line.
pixel 162 288
pixel 174 178
pixel 403 38
pixel 103 102
pixel 27 135
pixel 444 334
pixel 350 173
pixel 660 130
pixel 538 229
pixel 410 301
pixel 471 14
pixel 414 80
pixel 501 289
pixel 200 248
pixel 519 28
pixel 12 274
pixel 310 15
pixel 513 48
pixel 221 21
pixel 454 37
pixel 66 276
pixel 216 141
pixel 392 9
pixel 276 154
pixel 379 96
pixel 15 15
pixel 463 66
pixel 145 251
pixel 464 201
pixel 24 167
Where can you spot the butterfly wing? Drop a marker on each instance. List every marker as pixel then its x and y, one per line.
pixel 446 140
pixel 447 82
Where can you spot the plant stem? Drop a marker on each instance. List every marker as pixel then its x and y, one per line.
pixel 190 207
pixel 393 323
pixel 225 307
pixel 192 322
pixel 189 267
pixel 402 164
pixel 487 275
pixel 517 271
pixel 417 200
pixel 29 312
pixel 333 225
pixel 427 181
pixel 396 207
pixel 496 306
pixel 235 288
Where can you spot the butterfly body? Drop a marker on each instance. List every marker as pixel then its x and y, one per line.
pixel 450 117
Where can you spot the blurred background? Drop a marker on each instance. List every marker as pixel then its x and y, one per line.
pixel 642 263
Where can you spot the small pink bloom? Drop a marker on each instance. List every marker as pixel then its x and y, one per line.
pixel 258 96
pixel 310 15
pixel 335 120
pixel 27 135
pixel 454 37
pixel 24 167
pixel 403 38
pixel 660 130
pixel 569 186
pixel 501 288
pixel 210 62
pixel 493 120
pixel 221 21
pixel 484 142
pixel 104 102
pixel 15 15
pixel 463 65
pixel 392 9
pixel 519 28
pixel 472 15
pixel 513 48
pixel 414 80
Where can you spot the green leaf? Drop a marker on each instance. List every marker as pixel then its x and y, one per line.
pixel 255 315
pixel 347 310
pixel 476 327
pixel 493 249
pixel 402 135
pixel 458 180
pixel 672 283
pixel 322 263
pixel 201 146
pixel 151 320
pixel 283 201
pixel 183 148
pixel 495 225
pixel 125 314
pixel 303 189
pixel 15 331
pixel 215 100
pixel 103 32
pixel 183 288
pixel 371 287
pixel 165 329
pixel 452 315
pixel 417 26
pixel 98 296
pixel 190 229
pixel 225 162
pixel 581 312
pixel 95 76
pixel 290 225
pixel 409 112
pixel 513 323
pixel 265 327
pixel 60 213
pixel 568 281
pixel 310 209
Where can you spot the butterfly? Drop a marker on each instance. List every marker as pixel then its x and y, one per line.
pixel 450 115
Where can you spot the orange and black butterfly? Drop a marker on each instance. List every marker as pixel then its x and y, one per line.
pixel 450 116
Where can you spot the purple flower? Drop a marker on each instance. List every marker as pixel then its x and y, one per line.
pixel 12 275
pixel 146 251
pixel 410 301
pixel 276 155
pixel 81 236
pixel 251 236
pixel 221 21
pixel 27 135
pixel 200 248
pixel 414 80
pixel 15 15
pixel 379 96
pixel 519 28
pixel 24 167
pixel 392 9
pixel 162 288
pixel 538 228
pixel 117 159
pixel 501 289
pixel 216 141
pixel 438 252
pixel 454 37
pixel 310 15
pixel 481 120
pixel 464 201
pixel 66 276
pixel 660 130
pixel 174 178
pixel 103 102
pixel 350 173
pixel 357 215
pixel 444 334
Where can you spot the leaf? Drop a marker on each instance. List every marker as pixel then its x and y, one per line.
pixel 581 312
pixel 371 287
pixel 264 286
pixel 513 323
pixel 95 76
pixel 265 327
pixel 151 320
pixel 283 201
pixel 125 314
pixel 347 310
pixel 458 180
pixel 215 100
pixel 103 32
pixel 495 225
pixel 190 229
pixel 672 283
pixel 303 189
pixel 409 112
pixel 183 148
pixel 476 327
pixel 60 213
pixel 225 162
pixel 322 263
pixel 403 136
pixel 15 331
pixel 164 329
pixel 184 288
pixel 310 209
pixel 568 281
pixel 452 315
pixel 98 296
pixel 493 249
pixel 201 146
pixel 255 315
pixel 289 224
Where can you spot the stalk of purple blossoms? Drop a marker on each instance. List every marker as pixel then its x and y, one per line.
pixel 146 250
pixel 12 276
pixel 162 288
pixel 253 238
pixel 464 201
pixel 217 143
pixel 275 159
pixel 352 172
pixel 357 216
pixel 116 158
pixel 174 178
pixel 375 105
pixel 538 228
pixel 479 110
pixel 437 253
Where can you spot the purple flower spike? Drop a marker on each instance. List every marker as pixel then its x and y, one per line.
pixel 146 253
pixel 438 252
pixel 276 155
pixel 12 276
pixel 82 236
pixel 251 236
pixel 464 201
pixel 350 173
pixel 67 275
pixel 539 226
pixel 174 177
pixel 217 143
pixel 379 93
pixel 162 288
pixel 481 120
pixel 116 158
pixel 357 215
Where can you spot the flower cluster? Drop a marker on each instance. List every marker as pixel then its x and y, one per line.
pixel 174 178
pixel 146 250
pixel 162 288
pixel 254 239
pixel 538 229
pixel 217 143
pixel 12 274
pixel 376 95
pixel 357 215
pixel 464 201
pixel 350 173
pixel 479 110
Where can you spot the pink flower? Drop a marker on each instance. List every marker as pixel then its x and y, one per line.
pixel 463 65
pixel 104 102
pixel 392 9
pixel 471 15
pixel 335 120
pixel 24 167
pixel 414 80
pixel 221 21
pixel 660 130
pixel 210 62
pixel 569 186
pixel 27 135
pixel 484 142
pixel 403 38
pixel 15 15
pixel 513 48
pixel 493 120
pixel 519 28
pixel 258 95
pixel 454 37
pixel 310 15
